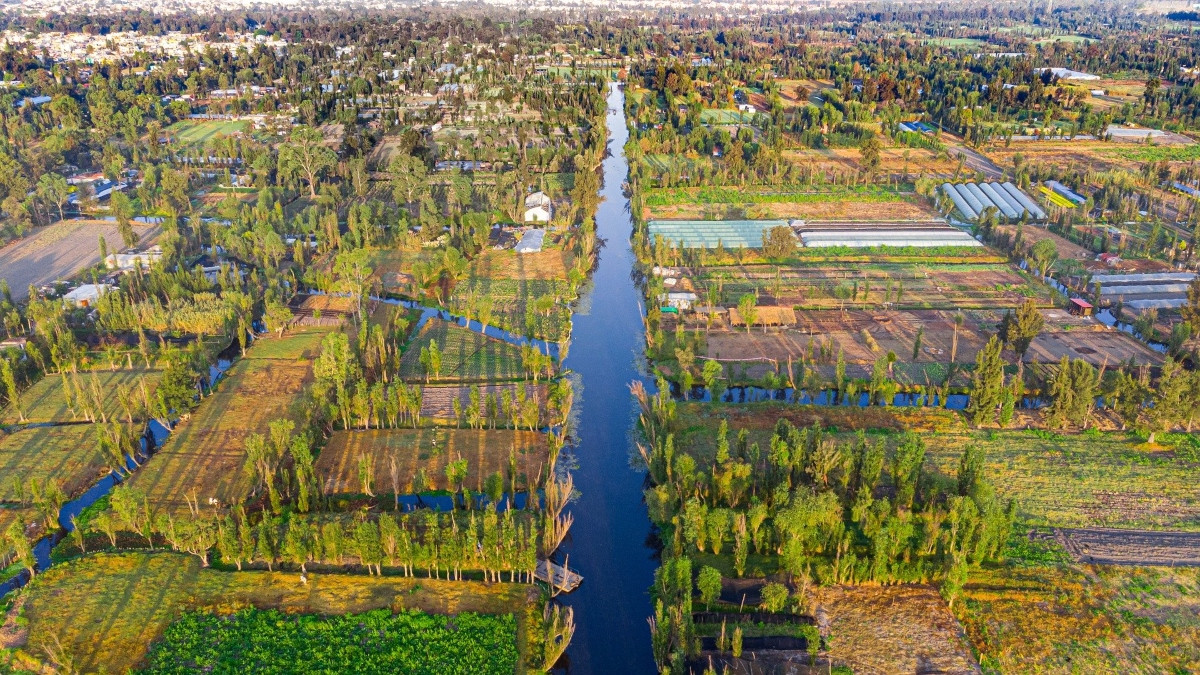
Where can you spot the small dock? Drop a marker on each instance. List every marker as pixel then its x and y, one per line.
pixel 560 578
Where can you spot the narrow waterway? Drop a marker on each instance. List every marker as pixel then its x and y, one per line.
pixel 609 543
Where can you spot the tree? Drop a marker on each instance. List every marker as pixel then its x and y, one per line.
pixel 1044 254
pixel 774 596
pixel 747 307
pixel 122 208
pixel 870 153
pixel 709 584
pixel 1020 330
pixel 778 242
pixel 304 155
pixel 9 380
pixel 16 539
pixel 970 469
pixel 987 383
pixel 54 189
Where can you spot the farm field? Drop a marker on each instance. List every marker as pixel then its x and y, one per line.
pixel 437 401
pixel 894 159
pixel 103 610
pixel 521 457
pixel 60 251
pixel 46 400
pixel 467 356
pixel 920 285
pixel 1057 480
pixel 1081 480
pixel 893 629
pixel 203 457
pixel 714 203
pixel 1106 546
pixel 896 331
pixel 195 133
pixel 1041 613
pixel 67 454
pixel 508 280
pixel 377 641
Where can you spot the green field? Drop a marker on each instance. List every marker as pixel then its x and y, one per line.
pixel 792 194
pixel 67 454
pixel 46 400
pixel 103 611
pixel 467 356
pixel 376 642
pixel 661 163
pixel 198 132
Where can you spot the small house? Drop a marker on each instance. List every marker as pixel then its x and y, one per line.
pixel 683 300
pixel 86 295
pixel 1080 307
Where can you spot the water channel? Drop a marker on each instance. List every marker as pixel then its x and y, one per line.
pixel 610 540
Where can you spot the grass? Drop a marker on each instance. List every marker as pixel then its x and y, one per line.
pixel 203 457
pixel 430 450
pixel 1039 613
pixel 769 194
pixel 467 356
pixel 191 133
pixel 1078 480
pixel 46 400
pixel 101 612
pixel 67 454
pixel 1067 480
pixel 1157 153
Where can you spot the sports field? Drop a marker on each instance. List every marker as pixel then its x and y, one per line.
pixel 198 132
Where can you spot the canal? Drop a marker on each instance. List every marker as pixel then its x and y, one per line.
pixel 610 539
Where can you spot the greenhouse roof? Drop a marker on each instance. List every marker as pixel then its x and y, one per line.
pixel 708 233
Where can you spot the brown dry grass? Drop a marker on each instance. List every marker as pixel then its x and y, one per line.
pixel 551 264
pixel 431 450
pixel 892 629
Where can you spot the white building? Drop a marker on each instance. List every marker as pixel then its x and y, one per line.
pixel 538 208
pixel 86 295
pixel 128 261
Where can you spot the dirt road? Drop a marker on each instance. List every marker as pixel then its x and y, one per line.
pixel 1102 546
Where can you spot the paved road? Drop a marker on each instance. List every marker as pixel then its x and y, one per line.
pixel 977 162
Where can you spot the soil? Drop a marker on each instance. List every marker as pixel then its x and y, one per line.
pixel 59 251
pixel 1102 546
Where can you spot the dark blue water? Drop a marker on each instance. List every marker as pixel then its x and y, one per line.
pixel 608 544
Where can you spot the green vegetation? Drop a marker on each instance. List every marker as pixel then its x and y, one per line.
pixel 462 355
pixel 378 641
pixel 793 194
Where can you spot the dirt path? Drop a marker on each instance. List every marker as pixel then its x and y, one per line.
pixel 977 162
pixel 1102 546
